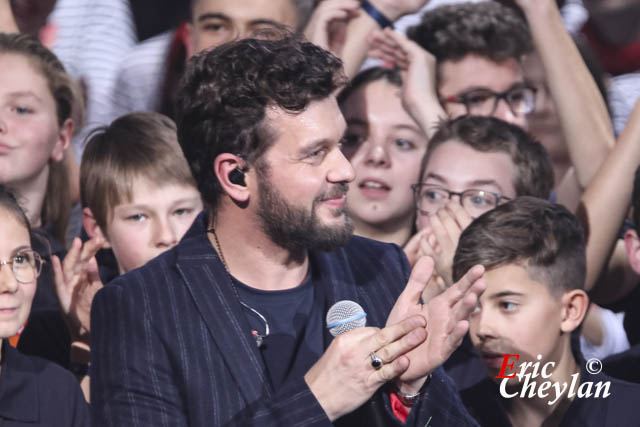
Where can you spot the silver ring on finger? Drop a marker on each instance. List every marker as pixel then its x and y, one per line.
pixel 376 362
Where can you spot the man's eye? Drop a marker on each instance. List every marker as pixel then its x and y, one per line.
pixel 182 211
pixel 136 217
pixel 213 27
pixel 318 153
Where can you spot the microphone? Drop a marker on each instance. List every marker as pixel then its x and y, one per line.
pixel 345 316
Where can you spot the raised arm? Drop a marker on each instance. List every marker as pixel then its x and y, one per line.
pixel 419 93
pixel 357 33
pixel 604 207
pixel 582 111
pixel 7 21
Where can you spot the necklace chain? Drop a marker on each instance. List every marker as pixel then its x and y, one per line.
pixel 258 337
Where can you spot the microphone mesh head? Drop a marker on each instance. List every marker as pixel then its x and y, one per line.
pixel 344 310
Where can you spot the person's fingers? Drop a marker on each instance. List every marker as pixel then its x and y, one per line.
pixel 414 242
pixel 93 273
pixel 90 249
pixel 454 338
pixel 463 308
pixel 388 371
pixel 392 333
pixel 460 214
pixel 418 280
pixel 378 54
pixel 337 14
pixel 401 41
pixel 462 287
pixel 451 228
pixel 439 232
pixel 430 242
pixel 405 344
pixel 71 259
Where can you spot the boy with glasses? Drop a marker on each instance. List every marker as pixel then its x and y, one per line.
pixel 473 164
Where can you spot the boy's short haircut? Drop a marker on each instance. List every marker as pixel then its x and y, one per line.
pixel 543 237
pixel 534 173
pixel 487 29
pixel 137 145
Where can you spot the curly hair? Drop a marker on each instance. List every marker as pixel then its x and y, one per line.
pixel 534 173
pixel 543 237
pixel 487 29
pixel 224 94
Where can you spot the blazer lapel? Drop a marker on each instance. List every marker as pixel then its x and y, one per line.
pixel 214 296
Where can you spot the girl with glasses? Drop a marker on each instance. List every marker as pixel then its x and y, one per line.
pixel 32 391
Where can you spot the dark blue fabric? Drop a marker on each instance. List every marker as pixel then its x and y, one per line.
pixel 46 334
pixel 625 365
pixel 295 324
pixel 618 410
pixel 171 345
pixel 34 392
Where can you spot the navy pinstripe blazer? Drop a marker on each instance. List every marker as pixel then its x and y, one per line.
pixel 171 346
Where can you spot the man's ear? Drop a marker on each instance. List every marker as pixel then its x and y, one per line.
pixel 227 164
pixel 92 228
pixel 632 245
pixel 574 308
pixel 64 140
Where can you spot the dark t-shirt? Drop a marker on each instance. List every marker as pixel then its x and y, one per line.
pixel 294 317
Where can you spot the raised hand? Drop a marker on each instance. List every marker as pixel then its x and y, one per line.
pixel 328 24
pixel 343 378
pixel 394 9
pixel 447 319
pixel 412 247
pixel 76 281
pixel 442 236
pixel 418 67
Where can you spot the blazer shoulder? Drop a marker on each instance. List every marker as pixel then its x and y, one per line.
pixel 160 268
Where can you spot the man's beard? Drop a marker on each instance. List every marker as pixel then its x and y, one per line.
pixel 297 229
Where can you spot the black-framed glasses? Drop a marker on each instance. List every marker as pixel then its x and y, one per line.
pixel 25 265
pixel 520 98
pixel 430 198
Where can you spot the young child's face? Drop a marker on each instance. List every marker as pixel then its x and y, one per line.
pixel 29 131
pixel 515 315
pixel 456 167
pixel 385 147
pixel 15 297
pixel 153 221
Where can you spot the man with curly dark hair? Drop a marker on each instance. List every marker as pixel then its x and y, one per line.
pixel 479 48
pixel 227 328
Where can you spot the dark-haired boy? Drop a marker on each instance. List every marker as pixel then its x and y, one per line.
pixel 534 253
pixel 478 49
